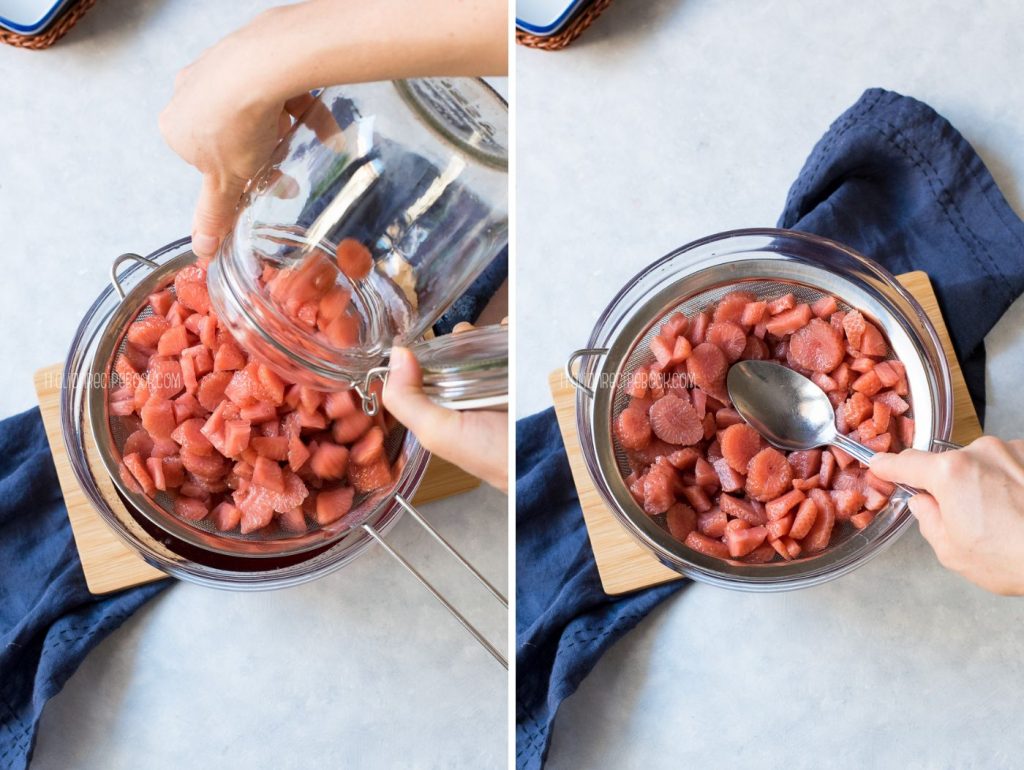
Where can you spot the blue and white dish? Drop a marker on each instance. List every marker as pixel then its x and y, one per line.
pixel 29 17
pixel 545 17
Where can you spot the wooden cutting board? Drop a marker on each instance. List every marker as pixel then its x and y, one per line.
pixel 625 565
pixel 108 563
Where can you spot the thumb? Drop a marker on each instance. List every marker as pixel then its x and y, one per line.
pixel 911 466
pixel 215 213
pixel 405 399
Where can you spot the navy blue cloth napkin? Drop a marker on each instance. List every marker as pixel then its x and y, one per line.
pixel 48 618
pixel 895 181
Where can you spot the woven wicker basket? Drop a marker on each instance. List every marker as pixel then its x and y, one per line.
pixel 58 28
pixel 570 32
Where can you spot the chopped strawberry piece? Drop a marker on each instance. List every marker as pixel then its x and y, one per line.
pixel 137 466
pixel 730 307
pixel 271 447
pixel 740 542
pixel 731 480
pixel 739 443
pixel 330 461
pixel 768 475
pixel 816 347
pixel 707 365
pixel 237 434
pixel 632 428
pixel 226 516
pixel 189 435
pixel 351 428
pixel 267 473
pixel 697 497
pixel 354 259
pixel 712 523
pixel 190 289
pixel 146 332
pixel 191 508
pixel 782 304
pixel 789 321
pixel 729 337
pixel 369 478
pixel 754 313
pixel 897 406
pixel 742 509
pixel 824 307
pixel 333 502
pixel 674 420
pixel 707 546
pixel 698 328
pixel 158 417
pixel 804 518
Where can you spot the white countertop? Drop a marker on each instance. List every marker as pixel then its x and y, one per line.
pixel 673 119
pixel 360 669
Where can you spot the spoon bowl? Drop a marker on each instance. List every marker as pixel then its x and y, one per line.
pixel 789 410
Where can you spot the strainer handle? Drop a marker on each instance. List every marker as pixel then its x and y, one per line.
pixel 463 621
pixel 120 261
pixel 576 355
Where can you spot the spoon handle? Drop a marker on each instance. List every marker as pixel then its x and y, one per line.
pixel 864 455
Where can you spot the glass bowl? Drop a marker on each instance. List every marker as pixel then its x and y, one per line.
pixel 155 544
pixel 779 261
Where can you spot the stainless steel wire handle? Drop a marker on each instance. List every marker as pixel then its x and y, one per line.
pixel 120 261
pixel 577 354
pixel 463 621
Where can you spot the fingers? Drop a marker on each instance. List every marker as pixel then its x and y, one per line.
pixel 215 213
pixel 477 443
pixel 299 104
pixel 911 466
pixel 926 510
pixel 462 326
pixel 405 399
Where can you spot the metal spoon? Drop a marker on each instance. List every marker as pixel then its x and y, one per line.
pixel 789 410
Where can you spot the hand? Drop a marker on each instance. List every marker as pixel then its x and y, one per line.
pixel 224 120
pixel 476 441
pixel 232 106
pixel 973 512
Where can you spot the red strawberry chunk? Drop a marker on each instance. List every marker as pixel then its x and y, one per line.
pixel 789 321
pixel 158 417
pixel 226 516
pixel 354 259
pixel 237 434
pixel 768 475
pixel 707 546
pixel 674 420
pixel 728 336
pixel 369 478
pixel 739 443
pixel 330 461
pixel 333 502
pixel 267 473
pixel 137 466
pixel 191 508
pixel 173 341
pixel 816 347
pixel 740 542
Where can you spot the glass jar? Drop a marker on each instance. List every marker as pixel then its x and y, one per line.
pixel 376 211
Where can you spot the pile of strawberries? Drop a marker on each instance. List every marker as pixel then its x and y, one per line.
pixel 723 490
pixel 224 435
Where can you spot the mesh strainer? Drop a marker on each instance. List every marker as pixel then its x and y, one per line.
pixel 111 431
pixel 769 263
pixel 195 551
